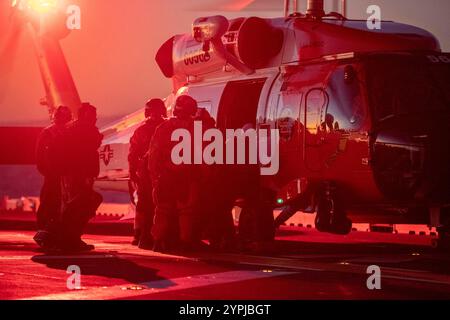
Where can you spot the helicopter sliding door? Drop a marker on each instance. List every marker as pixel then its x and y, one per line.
pixel 239 104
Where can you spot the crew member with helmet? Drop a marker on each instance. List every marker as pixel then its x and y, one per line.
pixel 49 164
pixel 155 113
pixel 176 190
pixel 80 201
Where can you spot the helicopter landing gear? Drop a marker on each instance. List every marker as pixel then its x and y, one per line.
pixel 331 216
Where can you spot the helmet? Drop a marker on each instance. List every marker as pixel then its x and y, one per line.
pixel 62 115
pixel 155 107
pixel 87 113
pixel 202 114
pixel 185 106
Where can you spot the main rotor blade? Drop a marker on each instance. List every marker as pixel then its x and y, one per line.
pixel 236 5
pixel 254 5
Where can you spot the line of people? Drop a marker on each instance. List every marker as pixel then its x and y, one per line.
pixel 67 156
pixel 179 206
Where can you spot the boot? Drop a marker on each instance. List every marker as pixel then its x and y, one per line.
pixel 137 237
pixel 146 243
pixel 160 246
pixel 76 246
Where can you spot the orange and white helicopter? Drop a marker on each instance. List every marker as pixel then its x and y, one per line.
pixel 363 114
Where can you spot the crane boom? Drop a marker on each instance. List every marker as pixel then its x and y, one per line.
pixel 58 82
pixel 47 27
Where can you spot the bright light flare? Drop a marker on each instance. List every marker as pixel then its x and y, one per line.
pixel 38 6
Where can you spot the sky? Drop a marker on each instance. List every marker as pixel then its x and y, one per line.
pixel 112 56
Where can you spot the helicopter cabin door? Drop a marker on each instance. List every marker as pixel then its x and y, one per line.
pixel 239 104
pixel 282 114
pixel 334 112
pixel 285 114
pixel 316 101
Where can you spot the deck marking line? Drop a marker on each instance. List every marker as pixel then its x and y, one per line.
pixel 163 286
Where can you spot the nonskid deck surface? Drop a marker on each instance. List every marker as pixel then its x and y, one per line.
pixel 307 265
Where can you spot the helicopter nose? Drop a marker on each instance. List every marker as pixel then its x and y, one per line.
pixel 398 164
pixel 412 162
pixel 437 164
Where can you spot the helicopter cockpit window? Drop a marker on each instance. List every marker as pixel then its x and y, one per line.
pixel 345 109
pixel 401 85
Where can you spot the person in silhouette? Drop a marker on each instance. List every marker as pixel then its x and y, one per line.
pixel 49 164
pixel 155 113
pixel 80 202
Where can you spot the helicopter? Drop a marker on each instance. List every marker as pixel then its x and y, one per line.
pixel 363 113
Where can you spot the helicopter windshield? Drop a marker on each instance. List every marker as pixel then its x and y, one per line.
pixel 401 85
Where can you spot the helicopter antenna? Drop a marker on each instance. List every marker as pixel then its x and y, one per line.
pixel 344 8
pixel 315 8
pixel 287 4
pixel 287 7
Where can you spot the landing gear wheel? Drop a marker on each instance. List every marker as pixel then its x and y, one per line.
pixel 343 227
pixel 442 243
pixel 331 216
pixel 323 218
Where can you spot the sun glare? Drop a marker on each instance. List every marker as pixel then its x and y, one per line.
pixel 39 6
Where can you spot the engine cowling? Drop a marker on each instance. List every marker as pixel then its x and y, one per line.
pixel 252 41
